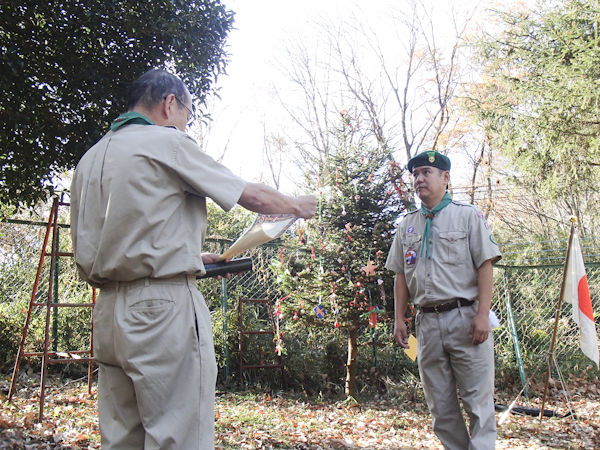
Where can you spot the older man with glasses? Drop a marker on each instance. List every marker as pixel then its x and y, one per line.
pixel 138 222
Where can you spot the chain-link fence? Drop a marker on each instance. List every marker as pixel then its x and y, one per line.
pixel 525 299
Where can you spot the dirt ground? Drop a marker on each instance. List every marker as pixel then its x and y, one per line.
pixel 265 420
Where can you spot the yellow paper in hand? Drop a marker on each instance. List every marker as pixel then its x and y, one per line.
pixel 412 351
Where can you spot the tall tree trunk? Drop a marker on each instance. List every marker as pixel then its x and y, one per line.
pixel 352 364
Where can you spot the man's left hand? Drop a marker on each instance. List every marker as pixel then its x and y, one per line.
pixel 480 328
pixel 209 258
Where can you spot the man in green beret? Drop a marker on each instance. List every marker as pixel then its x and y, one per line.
pixel 442 255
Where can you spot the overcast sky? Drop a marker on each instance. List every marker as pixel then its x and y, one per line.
pixel 248 104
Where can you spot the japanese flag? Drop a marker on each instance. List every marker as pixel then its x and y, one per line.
pixel 578 294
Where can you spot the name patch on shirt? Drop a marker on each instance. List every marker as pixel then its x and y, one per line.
pixel 410 229
pixel 410 257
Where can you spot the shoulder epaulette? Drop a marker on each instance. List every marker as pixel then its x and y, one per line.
pixel 459 203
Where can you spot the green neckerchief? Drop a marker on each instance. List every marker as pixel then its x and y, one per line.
pixel 130 117
pixel 430 215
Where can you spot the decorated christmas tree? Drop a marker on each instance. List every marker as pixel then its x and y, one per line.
pixel 333 268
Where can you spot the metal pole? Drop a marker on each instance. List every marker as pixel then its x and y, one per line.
pixel 224 311
pixel 55 292
pixel 513 331
pixel 48 309
pixel 560 300
pixel 91 363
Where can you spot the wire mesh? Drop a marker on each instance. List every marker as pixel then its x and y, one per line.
pixel 533 295
pixel 530 291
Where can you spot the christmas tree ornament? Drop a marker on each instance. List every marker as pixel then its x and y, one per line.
pixel 369 269
pixel 373 316
pixel 279 349
pixel 381 291
pixel 295 315
pixel 302 311
pixel 334 301
pixel 320 312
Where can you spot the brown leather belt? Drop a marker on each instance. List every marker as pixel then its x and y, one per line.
pixel 447 306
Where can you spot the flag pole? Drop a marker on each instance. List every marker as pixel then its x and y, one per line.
pixel 573 221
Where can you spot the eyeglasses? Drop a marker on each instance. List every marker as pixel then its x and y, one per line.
pixel 192 116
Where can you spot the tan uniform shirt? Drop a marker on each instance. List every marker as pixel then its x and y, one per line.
pixel 138 204
pixel 460 241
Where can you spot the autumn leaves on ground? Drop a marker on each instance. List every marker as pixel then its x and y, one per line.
pixel 262 419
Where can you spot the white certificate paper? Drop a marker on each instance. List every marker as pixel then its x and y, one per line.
pixel 265 228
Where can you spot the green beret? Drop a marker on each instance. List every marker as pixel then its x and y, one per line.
pixel 433 159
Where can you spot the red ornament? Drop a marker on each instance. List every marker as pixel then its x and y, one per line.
pixel 295 315
pixel 373 316
pixel 336 324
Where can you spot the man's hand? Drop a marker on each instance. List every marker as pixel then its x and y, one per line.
pixel 307 206
pixel 480 328
pixel 209 258
pixel 401 334
pixel 264 199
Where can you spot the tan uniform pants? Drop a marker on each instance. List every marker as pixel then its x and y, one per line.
pixel 447 359
pixel 153 344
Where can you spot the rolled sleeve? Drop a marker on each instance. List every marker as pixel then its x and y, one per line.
pixel 202 175
pixel 481 240
pixel 395 259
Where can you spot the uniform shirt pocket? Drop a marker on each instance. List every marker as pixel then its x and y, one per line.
pixel 453 246
pixel 411 241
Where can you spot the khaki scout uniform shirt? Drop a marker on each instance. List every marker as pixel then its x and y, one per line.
pixel 460 241
pixel 138 204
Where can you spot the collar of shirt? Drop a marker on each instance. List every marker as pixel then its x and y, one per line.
pixel 130 117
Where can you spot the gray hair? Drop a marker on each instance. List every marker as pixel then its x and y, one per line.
pixel 153 87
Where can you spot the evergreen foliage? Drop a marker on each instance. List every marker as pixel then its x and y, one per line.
pixel 67 65
pixel 324 266
pixel 539 99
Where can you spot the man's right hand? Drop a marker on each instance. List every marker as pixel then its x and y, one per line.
pixel 264 199
pixel 401 334
pixel 307 206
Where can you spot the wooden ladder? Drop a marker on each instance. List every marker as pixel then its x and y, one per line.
pixel 51 303
pixel 242 332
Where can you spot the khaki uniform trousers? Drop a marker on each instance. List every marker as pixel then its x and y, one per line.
pixel 447 359
pixel 157 370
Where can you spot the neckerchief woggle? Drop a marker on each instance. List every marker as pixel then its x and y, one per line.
pixel 130 117
pixel 428 216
